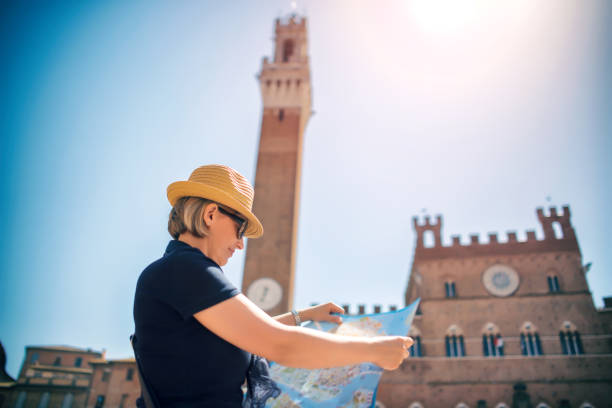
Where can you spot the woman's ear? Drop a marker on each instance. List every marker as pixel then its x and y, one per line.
pixel 209 214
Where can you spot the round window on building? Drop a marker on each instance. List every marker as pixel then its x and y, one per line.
pixel 500 280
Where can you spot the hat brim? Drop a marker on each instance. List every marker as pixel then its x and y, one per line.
pixel 180 189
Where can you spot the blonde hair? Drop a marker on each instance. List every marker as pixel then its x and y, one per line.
pixel 188 215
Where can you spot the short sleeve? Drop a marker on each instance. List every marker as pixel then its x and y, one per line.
pixel 197 284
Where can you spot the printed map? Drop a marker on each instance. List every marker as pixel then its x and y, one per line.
pixel 340 387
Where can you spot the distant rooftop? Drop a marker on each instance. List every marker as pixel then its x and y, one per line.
pixel 64 348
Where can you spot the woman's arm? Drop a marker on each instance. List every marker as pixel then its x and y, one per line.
pixel 240 322
pixel 322 312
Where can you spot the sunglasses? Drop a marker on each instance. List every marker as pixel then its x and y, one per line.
pixel 242 223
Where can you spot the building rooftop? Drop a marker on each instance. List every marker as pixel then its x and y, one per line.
pixel 65 349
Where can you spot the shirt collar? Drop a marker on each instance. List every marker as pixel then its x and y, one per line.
pixel 176 245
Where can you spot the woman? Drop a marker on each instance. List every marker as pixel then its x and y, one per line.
pixel 196 331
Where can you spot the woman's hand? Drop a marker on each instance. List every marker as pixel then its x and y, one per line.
pixel 322 313
pixel 391 351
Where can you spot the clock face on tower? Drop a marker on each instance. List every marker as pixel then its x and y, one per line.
pixel 265 293
pixel 500 280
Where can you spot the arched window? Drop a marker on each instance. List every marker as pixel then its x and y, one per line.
pixel 570 339
pixel 44 400
pixel 124 398
pixel 501 405
pixel 288 49
pixel 58 361
pixel 78 361
pixel 492 341
pixel 449 289
pixel 530 340
pixel 416 405
pixel 462 405
pixel 455 346
pixel 68 399
pixel 100 401
pixel 21 399
pixel 34 358
pixel 416 350
pixel 553 282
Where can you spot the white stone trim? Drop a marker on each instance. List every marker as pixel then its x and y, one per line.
pixel 568 326
pixel 454 330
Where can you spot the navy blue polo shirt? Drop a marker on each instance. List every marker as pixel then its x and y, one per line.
pixel 186 364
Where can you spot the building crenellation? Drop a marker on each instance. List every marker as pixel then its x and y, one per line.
pixel 363 308
pixel 285 81
pixel 551 242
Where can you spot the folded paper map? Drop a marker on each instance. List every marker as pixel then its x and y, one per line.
pixel 351 386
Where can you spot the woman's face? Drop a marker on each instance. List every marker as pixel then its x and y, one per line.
pixel 223 235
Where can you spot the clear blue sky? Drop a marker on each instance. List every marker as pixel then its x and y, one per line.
pixel 474 110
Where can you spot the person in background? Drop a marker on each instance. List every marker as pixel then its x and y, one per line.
pixel 196 332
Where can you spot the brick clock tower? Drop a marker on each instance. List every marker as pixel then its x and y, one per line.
pixel 285 88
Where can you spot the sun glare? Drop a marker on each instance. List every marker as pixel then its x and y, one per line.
pixel 445 16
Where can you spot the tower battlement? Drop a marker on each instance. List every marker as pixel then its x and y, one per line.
pixel 291 40
pixel 563 220
pixel 290 22
pixel 564 240
pixel 285 80
pixel 421 228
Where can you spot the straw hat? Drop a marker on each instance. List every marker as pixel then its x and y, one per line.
pixel 223 185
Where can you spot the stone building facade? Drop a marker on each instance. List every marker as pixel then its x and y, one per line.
pixel 52 376
pixel 503 324
pixel 70 377
pixel 114 384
